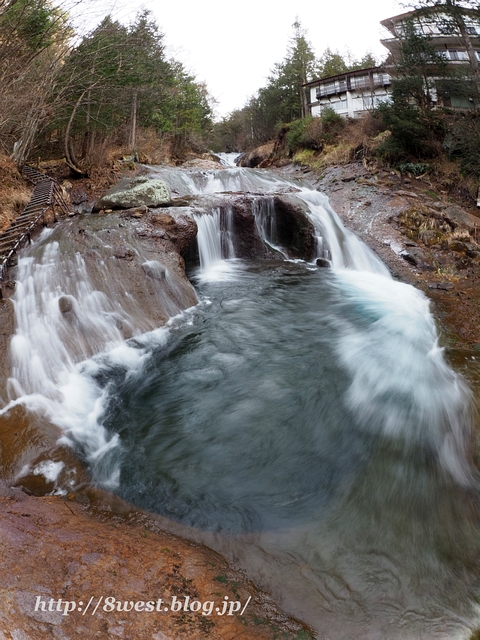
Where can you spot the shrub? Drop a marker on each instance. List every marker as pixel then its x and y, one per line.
pixel 462 142
pixel 332 123
pixel 295 133
pixel 415 134
pixel 415 168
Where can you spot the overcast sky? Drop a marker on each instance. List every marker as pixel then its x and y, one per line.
pixel 233 45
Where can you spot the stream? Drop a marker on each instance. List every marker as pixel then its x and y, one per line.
pixel 302 421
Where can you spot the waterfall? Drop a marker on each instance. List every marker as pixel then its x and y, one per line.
pixel 334 241
pixel 263 210
pixel 401 386
pixel 228 159
pixel 304 422
pixel 76 318
pixel 215 243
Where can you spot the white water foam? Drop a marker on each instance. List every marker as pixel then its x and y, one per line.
pixel 215 246
pixel 57 359
pixel 345 249
pixel 401 386
pixel 56 363
pixel 263 210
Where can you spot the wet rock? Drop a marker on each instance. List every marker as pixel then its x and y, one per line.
pixel 163 219
pixel 132 193
pixel 321 262
pixel 135 212
pixel 458 217
pixel 65 304
pixel 257 156
pixel 295 231
pixel 154 269
pixel 443 286
pixel 202 163
pixel 407 194
pixel 418 258
pixel 439 205
pixel 55 549
pixel 122 252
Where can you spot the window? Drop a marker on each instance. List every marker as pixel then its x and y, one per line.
pixel 339 105
pixel 452 54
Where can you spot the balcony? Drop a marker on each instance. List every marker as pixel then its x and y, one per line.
pixel 362 83
pixel 331 89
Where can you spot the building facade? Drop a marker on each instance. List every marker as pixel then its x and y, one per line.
pixel 455 38
pixel 357 92
pixel 349 94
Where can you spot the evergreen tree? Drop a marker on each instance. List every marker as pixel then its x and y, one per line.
pixel 409 116
pixel 119 78
pixel 417 68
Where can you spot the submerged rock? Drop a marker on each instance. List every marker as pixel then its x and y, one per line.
pixel 154 269
pixel 132 193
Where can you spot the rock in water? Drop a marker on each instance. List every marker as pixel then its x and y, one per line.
pixel 154 269
pixel 130 193
pixel 65 304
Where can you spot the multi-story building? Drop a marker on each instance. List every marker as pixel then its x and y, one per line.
pixel 349 94
pixel 452 37
pixel 352 94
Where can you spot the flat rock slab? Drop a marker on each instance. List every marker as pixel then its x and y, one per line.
pixel 132 193
pixel 56 554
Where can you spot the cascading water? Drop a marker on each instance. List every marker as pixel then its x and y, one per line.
pixel 215 243
pixel 301 421
pixel 265 220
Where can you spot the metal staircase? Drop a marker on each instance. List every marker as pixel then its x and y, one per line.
pixel 46 195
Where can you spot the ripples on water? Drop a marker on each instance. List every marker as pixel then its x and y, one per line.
pixel 305 423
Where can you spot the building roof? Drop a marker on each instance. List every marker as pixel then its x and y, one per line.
pixel 437 8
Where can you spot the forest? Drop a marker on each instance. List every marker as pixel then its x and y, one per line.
pixel 78 95
pixel 114 90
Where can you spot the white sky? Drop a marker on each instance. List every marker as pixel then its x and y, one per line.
pixel 233 45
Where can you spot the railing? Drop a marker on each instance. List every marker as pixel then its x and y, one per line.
pixel 46 195
pixel 368 83
pixel 338 87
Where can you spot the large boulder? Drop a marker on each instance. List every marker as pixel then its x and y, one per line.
pixel 257 157
pixel 130 193
pixel 295 232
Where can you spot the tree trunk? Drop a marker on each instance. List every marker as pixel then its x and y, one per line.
pixel 460 22
pixel 22 147
pixel 133 125
pixel 69 153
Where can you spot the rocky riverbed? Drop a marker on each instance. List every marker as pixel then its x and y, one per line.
pixel 428 240
pixel 88 543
